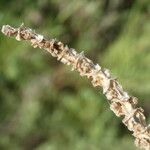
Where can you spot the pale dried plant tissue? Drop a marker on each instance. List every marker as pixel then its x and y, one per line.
pixel 121 103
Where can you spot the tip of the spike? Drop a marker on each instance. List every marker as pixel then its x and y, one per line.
pixel 5 29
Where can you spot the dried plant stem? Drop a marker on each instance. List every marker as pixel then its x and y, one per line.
pixel 120 102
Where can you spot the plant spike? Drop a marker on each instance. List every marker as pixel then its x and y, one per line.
pixel 120 102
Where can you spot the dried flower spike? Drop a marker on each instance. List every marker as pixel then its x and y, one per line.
pixel 120 102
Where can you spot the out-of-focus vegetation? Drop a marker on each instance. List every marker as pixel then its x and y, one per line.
pixel 44 106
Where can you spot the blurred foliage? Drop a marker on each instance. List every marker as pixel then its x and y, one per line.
pixel 44 106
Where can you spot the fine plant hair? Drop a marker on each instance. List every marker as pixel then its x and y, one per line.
pixel 122 104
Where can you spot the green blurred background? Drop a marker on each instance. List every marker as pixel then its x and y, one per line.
pixel 45 106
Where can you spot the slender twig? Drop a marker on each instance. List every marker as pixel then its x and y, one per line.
pixel 120 102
